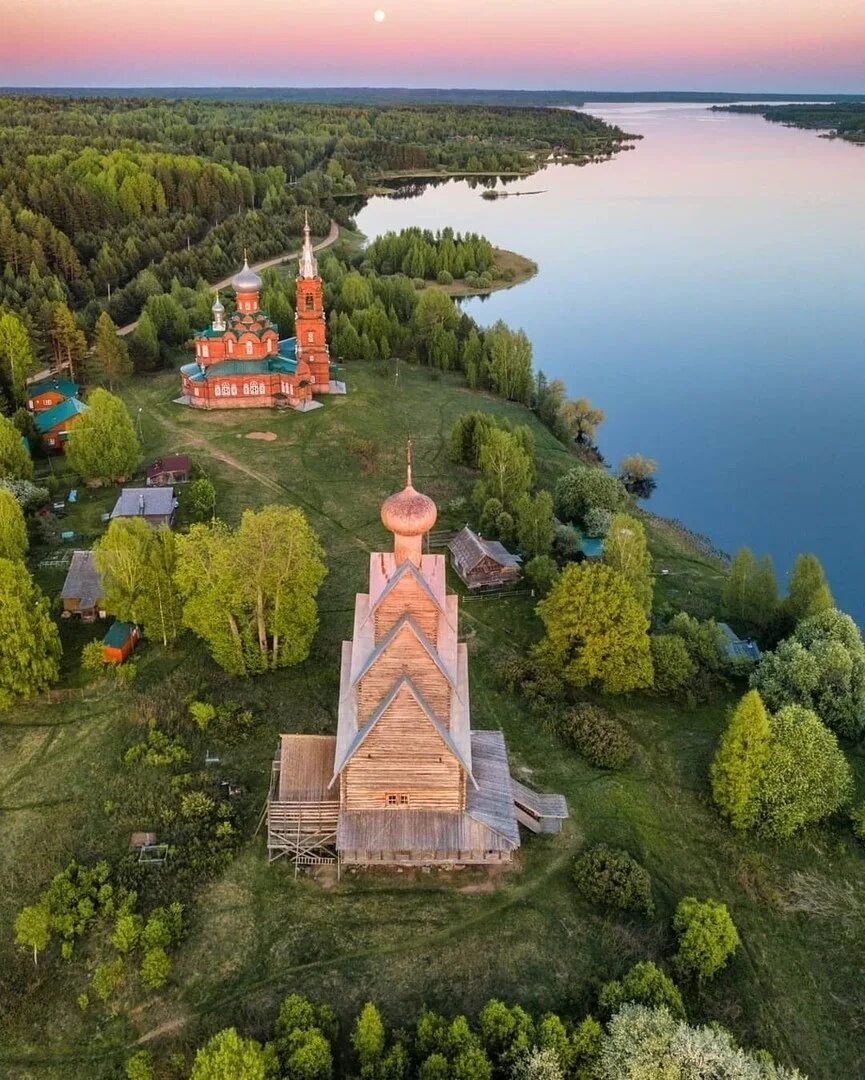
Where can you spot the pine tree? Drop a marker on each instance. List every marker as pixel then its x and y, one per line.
pixel 144 344
pixel 110 357
pixel 740 761
pixel 70 343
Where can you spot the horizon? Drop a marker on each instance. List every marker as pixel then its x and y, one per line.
pixel 670 46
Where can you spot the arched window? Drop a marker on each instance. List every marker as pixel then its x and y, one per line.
pixel 246 389
pixel 262 389
pixel 217 390
pixel 249 348
pixel 234 389
pixel 310 337
pixel 310 301
pixel 205 351
pixel 230 345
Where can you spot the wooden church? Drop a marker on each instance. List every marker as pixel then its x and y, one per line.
pixel 405 780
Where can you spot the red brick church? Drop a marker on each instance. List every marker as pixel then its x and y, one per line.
pixel 240 361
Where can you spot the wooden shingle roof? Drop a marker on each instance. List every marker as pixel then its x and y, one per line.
pixel 468 549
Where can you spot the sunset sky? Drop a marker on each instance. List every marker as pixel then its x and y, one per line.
pixel 780 45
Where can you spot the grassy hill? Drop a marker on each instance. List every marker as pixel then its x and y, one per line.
pixel 450 941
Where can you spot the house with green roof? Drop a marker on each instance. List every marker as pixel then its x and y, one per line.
pixel 46 393
pixel 54 424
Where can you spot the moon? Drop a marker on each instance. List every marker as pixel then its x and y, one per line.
pixel 378 15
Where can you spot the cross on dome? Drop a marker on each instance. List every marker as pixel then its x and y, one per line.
pixel 409 515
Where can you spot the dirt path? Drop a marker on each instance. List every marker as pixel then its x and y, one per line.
pixel 265 264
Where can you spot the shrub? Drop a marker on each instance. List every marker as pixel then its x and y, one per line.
pixel 140 1066
pixel 707 936
pixel 202 712
pixel 643 984
pixel 541 572
pixel 597 521
pixel 445 277
pixel 91 659
pixel 609 876
pixel 857 816
pixel 672 662
pixel 155 968
pixel 598 736
pixel 107 978
pixel 566 543
pixel 584 488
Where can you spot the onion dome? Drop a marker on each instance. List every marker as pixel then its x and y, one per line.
pixel 247 281
pixel 217 308
pixel 408 513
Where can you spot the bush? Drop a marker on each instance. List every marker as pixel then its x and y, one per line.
pixel 155 968
pixel 609 876
pixel 585 488
pixel 597 521
pixel 707 936
pixel 541 572
pixel 643 984
pixel 857 816
pixel 672 662
pixel 140 1066
pixel 445 277
pixel 567 546
pixel 598 736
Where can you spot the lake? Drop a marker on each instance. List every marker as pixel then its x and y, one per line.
pixel 706 290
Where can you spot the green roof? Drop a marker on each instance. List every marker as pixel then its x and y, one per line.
pixel 50 418
pixel 118 634
pixel 63 386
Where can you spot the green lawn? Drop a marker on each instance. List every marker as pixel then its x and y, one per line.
pixel 450 941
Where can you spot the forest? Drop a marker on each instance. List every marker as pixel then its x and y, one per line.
pixel 104 201
pixel 845 119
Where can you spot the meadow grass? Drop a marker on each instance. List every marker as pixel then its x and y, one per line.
pixel 447 940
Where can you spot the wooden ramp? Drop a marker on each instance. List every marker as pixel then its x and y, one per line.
pixel 540 813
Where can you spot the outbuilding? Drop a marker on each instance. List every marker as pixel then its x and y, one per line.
pixel 82 590
pixel 739 648
pixel 169 470
pixel 155 504
pixel 118 643
pixel 482 564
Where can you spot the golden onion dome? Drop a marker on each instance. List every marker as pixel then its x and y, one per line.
pixel 409 512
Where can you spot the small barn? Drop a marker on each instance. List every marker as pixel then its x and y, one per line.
pixel 55 423
pixel 82 590
pixel 169 470
pixel 738 648
pixel 46 393
pixel 155 504
pixel 118 643
pixel 482 564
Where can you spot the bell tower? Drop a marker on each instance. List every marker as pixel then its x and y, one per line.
pixel 310 327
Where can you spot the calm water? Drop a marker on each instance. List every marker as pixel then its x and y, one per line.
pixel 706 289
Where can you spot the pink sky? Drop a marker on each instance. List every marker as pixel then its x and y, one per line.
pixel 783 45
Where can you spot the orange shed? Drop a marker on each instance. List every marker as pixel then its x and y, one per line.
pixel 118 643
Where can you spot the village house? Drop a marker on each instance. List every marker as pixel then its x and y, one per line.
pixel 155 504
pixel 82 590
pixel 240 361
pixel 405 780
pixel 46 393
pixel 55 423
pixel 168 470
pixel 482 564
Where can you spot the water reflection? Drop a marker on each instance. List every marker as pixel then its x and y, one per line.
pixel 705 288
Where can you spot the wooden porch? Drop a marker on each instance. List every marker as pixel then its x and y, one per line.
pixel 302 813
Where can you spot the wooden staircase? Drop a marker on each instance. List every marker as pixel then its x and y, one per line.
pixel 538 812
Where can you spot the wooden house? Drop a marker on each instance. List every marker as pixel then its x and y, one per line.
pixel 155 504
pixel 405 781
pixel 55 423
pixel 168 470
pixel 46 393
pixel 119 642
pixel 82 590
pixel 482 564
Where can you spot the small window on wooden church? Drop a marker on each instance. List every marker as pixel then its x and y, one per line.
pixel 403 800
pixel 396 799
